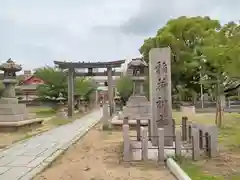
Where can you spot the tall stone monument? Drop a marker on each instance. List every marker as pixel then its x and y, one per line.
pixel 160 94
pixel 12 114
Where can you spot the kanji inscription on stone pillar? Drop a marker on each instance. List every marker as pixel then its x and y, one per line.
pixel 160 93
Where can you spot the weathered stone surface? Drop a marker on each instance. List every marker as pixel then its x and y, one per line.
pixel 161 144
pixel 195 143
pixel 21 160
pixel 3 169
pixel 144 144
pixel 160 93
pixel 126 143
pixel 14 173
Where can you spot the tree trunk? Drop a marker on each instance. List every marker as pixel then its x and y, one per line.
pixel 219 105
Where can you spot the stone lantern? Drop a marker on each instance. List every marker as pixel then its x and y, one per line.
pixel 13 114
pixel 118 103
pixel 136 69
pixel 9 78
pixel 61 106
pixel 84 104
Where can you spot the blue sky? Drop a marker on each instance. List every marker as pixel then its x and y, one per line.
pixel 36 32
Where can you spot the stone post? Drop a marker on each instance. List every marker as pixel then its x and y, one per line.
pixel 70 92
pixel 160 93
pixel 126 143
pixel 110 89
pixel 213 132
pixel 184 128
pixel 105 116
pixel 195 144
pixel 97 97
pixel 189 131
pixel 138 129
pixel 144 144
pixel 161 157
pixel 178 143
pixel 201 138
pixel 149 130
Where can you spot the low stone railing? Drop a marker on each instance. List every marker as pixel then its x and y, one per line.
pixel 198 137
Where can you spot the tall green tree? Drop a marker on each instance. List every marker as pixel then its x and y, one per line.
pixel 84 87
pixel 184 36
pixel 55 83
pixel 203 52
pixel 222 52
pixel 125 87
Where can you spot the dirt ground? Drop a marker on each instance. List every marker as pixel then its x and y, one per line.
pixel 226 165
pixel 8 138
pixel 97 156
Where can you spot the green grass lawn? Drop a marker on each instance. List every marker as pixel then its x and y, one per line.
pixel 229 139
pixel 42 111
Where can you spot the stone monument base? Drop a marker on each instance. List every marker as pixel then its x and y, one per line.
pixel 14 116
pixel 15 126
pixel 169 151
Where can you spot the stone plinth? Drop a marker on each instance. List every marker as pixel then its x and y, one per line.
pixel 138 107
pixel 14 115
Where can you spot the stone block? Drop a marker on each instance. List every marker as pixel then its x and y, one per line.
pixel 161 145
pixel 178 143
pixel 126 143
pixel 149 129
pixel 213 132
pixel 13 109
pixel 11 101
pixel 189 131
pixel 184 128
pixel 138 130
pixel 195 143
pixel 144 144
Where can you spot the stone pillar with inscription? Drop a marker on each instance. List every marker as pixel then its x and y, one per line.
pixel 160 94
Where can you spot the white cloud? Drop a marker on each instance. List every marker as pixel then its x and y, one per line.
pixel 35 33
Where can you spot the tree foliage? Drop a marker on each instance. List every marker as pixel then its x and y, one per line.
pixel 56 83
pixel 203 52
pixel 84 87
pixel 200 46
pixel 125 87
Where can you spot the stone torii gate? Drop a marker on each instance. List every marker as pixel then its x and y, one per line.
pixel 71 66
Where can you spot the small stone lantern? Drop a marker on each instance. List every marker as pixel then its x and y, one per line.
pixel 9 78
pixel 61 106
pixel 118 103
pixel 84 104
pixel 136 69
